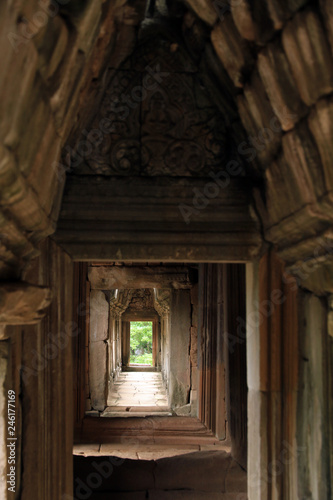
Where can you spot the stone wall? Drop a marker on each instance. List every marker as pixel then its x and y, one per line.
pixel 40 373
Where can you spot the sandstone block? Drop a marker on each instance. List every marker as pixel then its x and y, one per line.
pixel 321 125
pixel 16 88
pixel 190 471
pixel 205 10
pixel 99 316
pixel 232 50
pixel 305 169
pixel 51 45
pixel 280 86
pixel 326 7
pixel 258 22
pixel 97 374
pixel 309 56
pixel 259 120
pixel 23 304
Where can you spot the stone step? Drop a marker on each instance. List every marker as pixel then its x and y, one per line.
pixel 197 472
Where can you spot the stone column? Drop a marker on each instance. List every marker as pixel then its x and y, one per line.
pixel 162 301
pixel 99 323
pixel 119 301
pixel 272 374
pixel 180 329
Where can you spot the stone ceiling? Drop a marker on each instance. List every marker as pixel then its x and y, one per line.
pixel 266 66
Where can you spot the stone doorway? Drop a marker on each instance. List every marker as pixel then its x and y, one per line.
pixel 193 308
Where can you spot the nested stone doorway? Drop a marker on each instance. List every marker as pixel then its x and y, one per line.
pixel 169 386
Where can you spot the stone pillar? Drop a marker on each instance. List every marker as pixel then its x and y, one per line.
pixel 99 322
pixel 312 454
pixel 119 301
pixel 125 343
pixel 272 374
pixel 180 329
pixel 162 303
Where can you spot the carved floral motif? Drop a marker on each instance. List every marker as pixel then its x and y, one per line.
pixel 157 120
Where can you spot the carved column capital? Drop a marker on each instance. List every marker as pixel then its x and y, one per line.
pixel 162 301
pixel 119 302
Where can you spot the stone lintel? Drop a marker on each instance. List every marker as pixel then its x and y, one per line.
pixel 106 277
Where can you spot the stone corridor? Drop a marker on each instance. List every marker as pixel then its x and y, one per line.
pixel 138 394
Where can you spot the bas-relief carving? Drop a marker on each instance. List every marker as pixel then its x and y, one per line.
pixel 157 119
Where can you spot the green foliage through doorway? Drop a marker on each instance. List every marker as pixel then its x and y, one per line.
pixel 141 342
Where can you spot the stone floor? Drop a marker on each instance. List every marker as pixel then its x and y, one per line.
pixel 138 394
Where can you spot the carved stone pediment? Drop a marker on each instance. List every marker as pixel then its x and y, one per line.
pixel 156 118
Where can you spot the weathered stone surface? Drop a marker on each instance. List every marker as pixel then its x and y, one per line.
pixel 205 9
pixel 280 86
pixel 22 303
pixel 99 316
pixel 156 211
pixel 309 56
pixel 258 22
pixel 321 126
pixel 179 348
pixel 18 199
pixel 259 121
pixel 312 418
pixel 97 374
pixel 17 85
pixel 105 278
pixel 195 305
pixel 232 50
pixel 327 11
pixel 315 273
pixel 51 45
pixel 183 472
pixel 330 316
pixel 301 154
